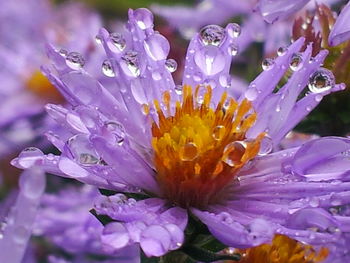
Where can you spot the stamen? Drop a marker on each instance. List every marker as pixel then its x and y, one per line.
pixel 199 150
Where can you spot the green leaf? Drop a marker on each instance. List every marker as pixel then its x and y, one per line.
pixel 200 254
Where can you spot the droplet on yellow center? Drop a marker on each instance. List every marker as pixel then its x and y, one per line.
pixel 188 152
pixel 219 132
pixel 39 85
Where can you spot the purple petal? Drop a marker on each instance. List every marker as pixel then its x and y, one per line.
pixel 341 29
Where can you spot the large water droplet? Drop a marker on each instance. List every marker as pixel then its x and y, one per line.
pixel 268 63
pixel 233 153
pixel 107 68
pixel 29 156
pixel 171 65
pixel 130 64
pixel 251 93
pixel 144 18
pixel 212 35
pixel 234 30
pixel 210 60
pixel 117 41
pixel 296 62
pixel 75 60
pixel 266 146
pixel 82 150
pixel 188 152
pixel 321 81
pixel 281 51
pixel 118 131
pixel 157 47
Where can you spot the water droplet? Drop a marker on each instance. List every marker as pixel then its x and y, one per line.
pixel 178 89
pixel 233 49
pixel 266 146
pixel 118 41
pixel 281 51
pixel 278 108
pixel 29 156
pixel 268 64
pixel 188 152
pixel 157 47
pixel 200 93
pixel 107 69
pixel 20 234
pixel 117 129
pixel 321 81
pixel 251 93
pixel 75 60
pixel 171 65
pixel 98 39
pixel 233 153
pixel 63 52
pixel 212 35
pixel 225 217
pixel 130 64
pixel 234 30
pixel 88 159
pixel 156 75
pixel 296 62
pixel 210 60
pixel 144 18
pixel 82 150
pixel 318 98
pixel 219 132
pixel 225 80
pixel 314 202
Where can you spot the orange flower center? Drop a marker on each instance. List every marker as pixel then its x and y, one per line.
pixel 39 85
pixel 283 250
pixel 199 150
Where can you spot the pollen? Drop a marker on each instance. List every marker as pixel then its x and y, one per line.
pixel 283 250
pixel 39 85
pixel 199 149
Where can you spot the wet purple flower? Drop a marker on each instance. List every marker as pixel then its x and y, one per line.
pixel 64 219
pixel 197 146
pixel 24 90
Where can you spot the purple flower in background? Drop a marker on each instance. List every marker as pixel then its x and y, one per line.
pixel 24 90
pixel 64 220
pixel 341 30
pixel 197 147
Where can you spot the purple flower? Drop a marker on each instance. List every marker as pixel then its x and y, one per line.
pixel 64 219
pixel 24 90
pixel 195 147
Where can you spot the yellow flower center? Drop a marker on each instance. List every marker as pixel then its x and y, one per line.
pixel 199 150
pixel 39 85
pixel 283 250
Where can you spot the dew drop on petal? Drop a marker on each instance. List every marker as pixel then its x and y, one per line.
pixel 212 35
pixel 234 152
pixel 178 89
pixel 210 60
pixel 233 49
pixel 82 151
pixel 118 41
pixel 268 63
pixel 144 18
pixel 157 47
pixel 266 146
pixel 321 81
pixel 117 129
pixel 188 152
pixel 75 60
pixel 107 68
pixel 130 63
pixel 171 65
pixel 281 51
pixel 98 39
pixel 296 62
pixel 234 30
pixel 63 52
pixel 20 234
pixel 29 156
